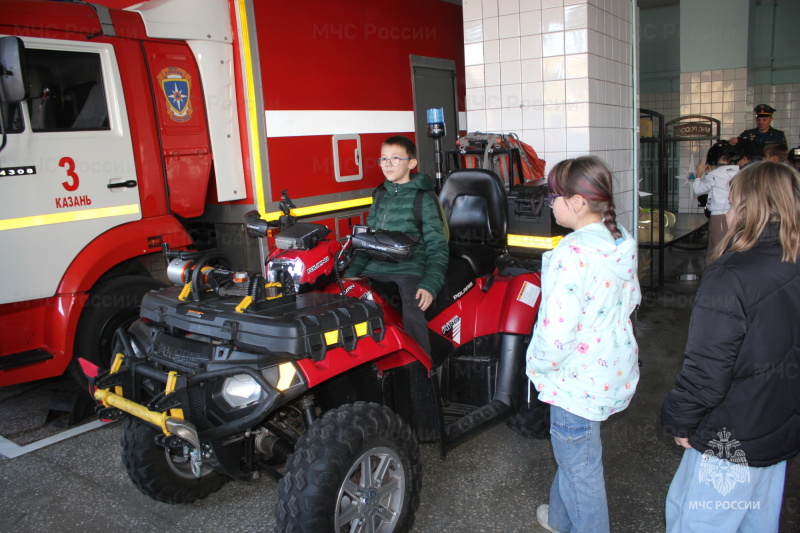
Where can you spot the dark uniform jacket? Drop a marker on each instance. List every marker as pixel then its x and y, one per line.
pixel 395 212
pixel 741 373
pixel 771 136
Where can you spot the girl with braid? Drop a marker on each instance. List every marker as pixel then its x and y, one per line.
pixel 583 357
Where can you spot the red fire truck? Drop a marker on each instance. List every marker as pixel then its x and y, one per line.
pixel 165 122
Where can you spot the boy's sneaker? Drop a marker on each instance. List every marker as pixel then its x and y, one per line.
pixel 543 515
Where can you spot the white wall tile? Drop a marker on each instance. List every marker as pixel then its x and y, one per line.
pixel 476 99
pixel 494 97
pixel 577 90
pixel 552 3
pixel 490 8
pixel 578 115
pixel 576 41
pixel 530 47
pixel 553 44
pixel 576 17
pixel 553 68
pixel 552 20
pixel 555 139
pixel 476 120
pixel 555 116
pixel 531 70
pixel 510 72
pixel 509 26
pixel 511 95
pixel 494 120
pixel 530 23
pixel 577 66
pixel 578 139
pixel 510 49
pixel 473 54
pixel 490 29
pixel 473 76
pixel 473 31
pixel 492 74
pixel 512 119
pixel 554 92
pixel 530 5
pixel 533 117
pixel 472 9
pixel 491 51
pixel 508 7
pixel 532 94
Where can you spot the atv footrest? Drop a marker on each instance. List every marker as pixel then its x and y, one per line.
pixel 454 411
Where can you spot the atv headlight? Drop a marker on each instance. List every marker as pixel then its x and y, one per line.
pixel 242 390
pixel 294 267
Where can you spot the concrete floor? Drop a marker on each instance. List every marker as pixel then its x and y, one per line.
pixel 492 483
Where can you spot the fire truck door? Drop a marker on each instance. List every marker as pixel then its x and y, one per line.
pixel 67 173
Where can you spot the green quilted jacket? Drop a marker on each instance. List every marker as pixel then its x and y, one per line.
pixel 395 212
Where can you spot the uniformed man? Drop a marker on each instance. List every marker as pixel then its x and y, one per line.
pixel 763 133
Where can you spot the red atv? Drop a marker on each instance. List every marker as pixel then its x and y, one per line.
pixel 311 377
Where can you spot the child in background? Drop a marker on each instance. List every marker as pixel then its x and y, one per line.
pixel 775 152
pixel 583 357
pixel 421 277
pixel 714 175
pixel 735 407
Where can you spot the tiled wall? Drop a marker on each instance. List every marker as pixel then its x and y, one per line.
pixel 668 104
pixel 726 96
pixel 785 99
pixel 557 73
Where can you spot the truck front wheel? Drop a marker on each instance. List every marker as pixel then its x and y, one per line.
pixel 112 304
pixel 161 473
pixel 356 469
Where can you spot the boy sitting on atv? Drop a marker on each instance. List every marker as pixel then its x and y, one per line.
pixel 420 277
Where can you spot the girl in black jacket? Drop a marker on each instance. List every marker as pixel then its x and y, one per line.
pixel 735 406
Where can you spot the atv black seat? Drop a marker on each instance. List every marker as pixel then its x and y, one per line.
pixel 475 203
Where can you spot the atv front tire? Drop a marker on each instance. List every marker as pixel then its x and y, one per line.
pixel 356 469
pixel 163 475
pixel 532 420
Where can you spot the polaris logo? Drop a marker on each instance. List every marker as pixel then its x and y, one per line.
pixel 452 329
pixel 313 268
pixel 463 291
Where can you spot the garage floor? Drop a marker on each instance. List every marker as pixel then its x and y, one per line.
pixel 492 483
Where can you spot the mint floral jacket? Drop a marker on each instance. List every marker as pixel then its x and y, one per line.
pixel 583 355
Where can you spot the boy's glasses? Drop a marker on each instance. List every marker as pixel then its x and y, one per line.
pixel 551 198
pixel 391 161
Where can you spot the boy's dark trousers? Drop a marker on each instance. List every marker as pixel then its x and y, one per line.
pixel 414 322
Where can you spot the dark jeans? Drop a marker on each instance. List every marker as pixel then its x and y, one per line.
pixel 414 322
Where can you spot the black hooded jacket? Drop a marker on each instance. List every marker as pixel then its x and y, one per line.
pixel 740 380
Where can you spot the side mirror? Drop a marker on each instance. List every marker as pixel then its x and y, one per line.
pixel 13 75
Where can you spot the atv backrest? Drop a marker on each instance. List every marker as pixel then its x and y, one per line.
pixel 476 205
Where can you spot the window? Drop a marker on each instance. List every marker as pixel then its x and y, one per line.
pixel 66 91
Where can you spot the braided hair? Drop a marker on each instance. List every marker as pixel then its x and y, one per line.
pixel 591 178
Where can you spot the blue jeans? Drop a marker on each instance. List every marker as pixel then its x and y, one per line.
pixel 578 500
pixel 751 502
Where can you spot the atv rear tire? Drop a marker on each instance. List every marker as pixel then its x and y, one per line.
pixel 532 420
pixel 324 488
pixel 157 473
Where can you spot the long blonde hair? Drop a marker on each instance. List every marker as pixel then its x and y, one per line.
pixel 763 193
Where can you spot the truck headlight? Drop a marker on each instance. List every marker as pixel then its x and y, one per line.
pixel 242 390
